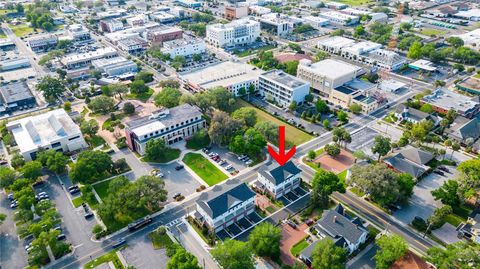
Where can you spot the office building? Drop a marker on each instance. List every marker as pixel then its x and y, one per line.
pixel 339 18
pixel 15 96
pixel 111 25
pixel 326 75
pixel 275 23
pixel 51 130
pixel 316 22
pixel 172 125
pixel 133 45
pixel 186 47
pixel 6 44
pixel 160 34
pixel 16 63
pixel 238 32
pixel 231 75
pixel 233 12
pixel 42 43
pixel 282 88
pixel 116 66
pixel 442 100
pixel 85 59
pixel 78 33
pixel 137 20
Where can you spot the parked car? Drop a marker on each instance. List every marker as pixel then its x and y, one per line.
pixel 73 187
pixel 88 215
pixel 13 204
pixel 61 237
pixel 292 224
pixel 439 172
pixel 179 167
pixel 176 195
pixel 10 196
pixel 249 162
pixel 75 190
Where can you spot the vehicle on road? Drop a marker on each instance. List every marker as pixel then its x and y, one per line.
pixel 139 223
pixel 88 215
pixel 179 167
pixel 120 242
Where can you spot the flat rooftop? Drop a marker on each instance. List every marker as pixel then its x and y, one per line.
pixel 89 55
pixel 424 65
pixel 33 132
pixel 14 92
pixel 447 99
pixel 332 68
pixel 283 78
pixel 336 41
pixel 362 47
pixel 222 74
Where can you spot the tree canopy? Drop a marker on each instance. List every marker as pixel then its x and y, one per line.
pixel 91 166
pixel 51 88
pixel 232 254
pixel 326 255
pixel 325 183
pixel 265 240
pixel 168 97
pixel 457 255
pixel 392 247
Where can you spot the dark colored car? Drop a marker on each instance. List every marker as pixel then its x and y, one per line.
pixel 61 237
pixel 120 242
pixel 74 187
pixel 179 167
pixel 88 215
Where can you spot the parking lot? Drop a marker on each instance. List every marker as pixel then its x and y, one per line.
pixel 363 140
pixel 422 203
pixel 230 160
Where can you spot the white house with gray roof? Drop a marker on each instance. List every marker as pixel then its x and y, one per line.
pixel 279 180
pixel 345 232
pixel 222 210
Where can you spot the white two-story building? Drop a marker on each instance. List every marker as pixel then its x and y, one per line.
pixel 220 211
pixel 279 180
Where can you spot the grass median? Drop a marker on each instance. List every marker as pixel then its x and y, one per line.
pixel 204 168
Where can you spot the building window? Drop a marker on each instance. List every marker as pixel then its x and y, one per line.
pixel 57 144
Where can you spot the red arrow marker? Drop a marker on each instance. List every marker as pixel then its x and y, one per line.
pixel 281 157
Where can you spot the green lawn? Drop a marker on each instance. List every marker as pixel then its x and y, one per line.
pixel 95 141
pixel 204 168
pixel 250 52
pixel 77 201
pixel 432 32
pixel 299 247
pixel 102 189
pixel 21 29
pixel 170 155
pixel 142 96
pixel 109 257
pixel 292 134
pixel 357 191
pixel 343 175
pixel 160 240
pixel 454 220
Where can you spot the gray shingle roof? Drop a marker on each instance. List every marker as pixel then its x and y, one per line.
pixel 412 113
pixel 464 128
pixel 279 174
pixel 337 225
pixel 221 203
pixel 405 166
pixel 415 155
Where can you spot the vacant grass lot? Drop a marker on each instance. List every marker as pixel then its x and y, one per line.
pixel 204 168
pixel 292 134
pixel 432 32
pixel 21 29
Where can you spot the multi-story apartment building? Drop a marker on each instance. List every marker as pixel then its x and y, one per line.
pixel 43 42
pixel 223 210
pixel 51 130
pixel 238 32
pixel 186 47
pixel 279 180
pixel 172 125
pixel 85 59
pixel 282 88
pixel 327 74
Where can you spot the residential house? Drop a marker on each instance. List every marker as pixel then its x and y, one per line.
pixel 279 180
pixel 462 130
pixel 405 113
pixel 471 229
pixel 411 160
pixel 224 209
pixel 345 232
